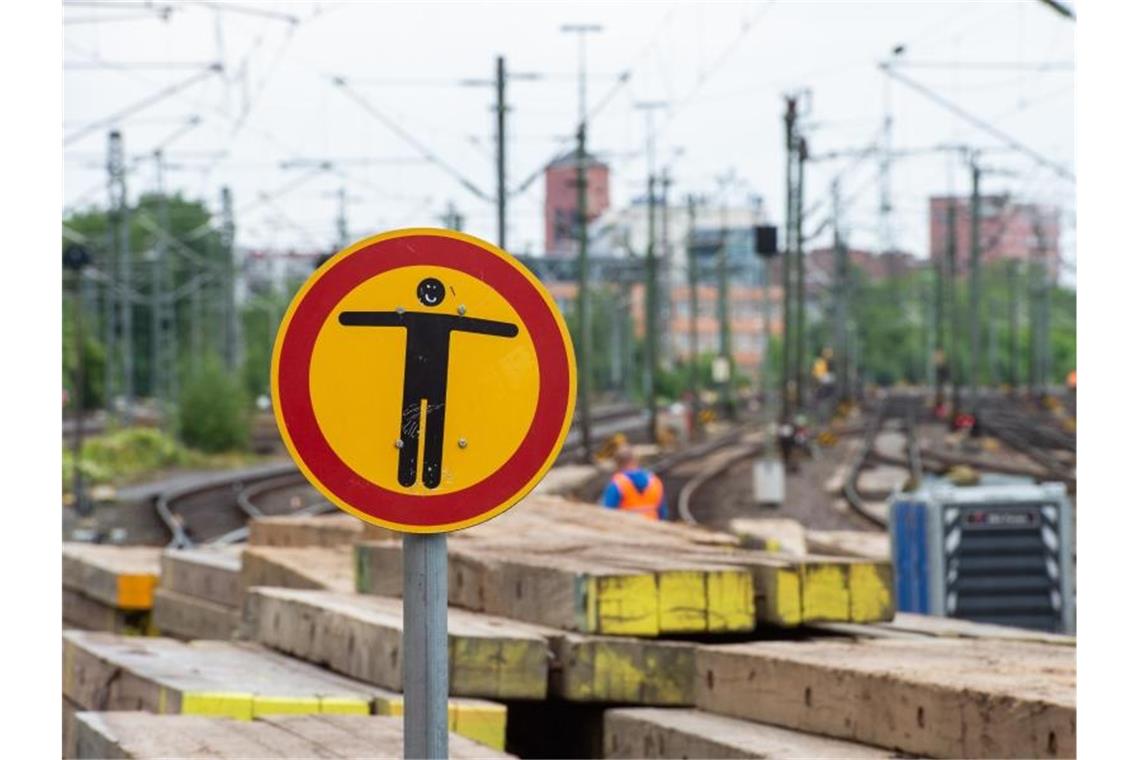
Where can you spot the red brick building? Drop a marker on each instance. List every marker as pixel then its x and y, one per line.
pixel 746 316
pixel 1019 231
pixel 561 207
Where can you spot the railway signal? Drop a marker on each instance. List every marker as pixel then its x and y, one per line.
pixel 424 381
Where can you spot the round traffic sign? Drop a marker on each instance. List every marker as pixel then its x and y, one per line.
pixel 423 380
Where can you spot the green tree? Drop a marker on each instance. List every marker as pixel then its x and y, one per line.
pixel 261 315
pixel 195 258
pixel 93 355
pixel 213 411
pixel 894 326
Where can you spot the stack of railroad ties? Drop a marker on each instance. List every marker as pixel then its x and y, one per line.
pixel 573 632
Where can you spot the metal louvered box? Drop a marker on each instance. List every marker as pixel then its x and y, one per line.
pixel 995 554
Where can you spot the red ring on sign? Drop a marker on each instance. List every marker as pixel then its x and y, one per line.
pixel 296 406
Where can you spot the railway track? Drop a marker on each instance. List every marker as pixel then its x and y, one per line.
pixel 1036 434
pixel 216 509
pixel 892 407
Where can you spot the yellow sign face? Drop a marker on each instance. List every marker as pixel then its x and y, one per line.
pixel 492 382
pixel 423 380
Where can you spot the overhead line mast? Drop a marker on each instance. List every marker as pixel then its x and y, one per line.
pixel 583 349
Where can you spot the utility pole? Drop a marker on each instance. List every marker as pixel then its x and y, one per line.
pixel 162 333
pixel 1046 312
pixel 197 315
pixel 839 293
pixel 786 402
pixel 451 218
pixel 76 258
pixel 767 376
pixel 341 218
pixel 1011 297
pixel 617 339
pixel 801 323
pixel 665 312
pixel 938 263
pixel 726 395
pixel 501 148
pixel 651 316
pixel 231 341
pixel 952 271
pixel 1039 325
pixel 652 310
pixel 583 351
pixel 123 281
pixel 975 280
pixel 500 108
pixel 694 346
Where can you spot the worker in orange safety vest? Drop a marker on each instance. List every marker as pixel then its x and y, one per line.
pixel 634 489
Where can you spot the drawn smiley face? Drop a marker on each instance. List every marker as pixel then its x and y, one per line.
pixel 430 292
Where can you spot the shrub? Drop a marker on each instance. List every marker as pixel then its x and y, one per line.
pixel 213 411
pixel 122 454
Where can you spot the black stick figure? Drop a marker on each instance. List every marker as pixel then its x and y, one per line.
pixel 425 373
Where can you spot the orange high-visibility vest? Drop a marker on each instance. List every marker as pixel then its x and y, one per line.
pixel 1071 379
pixel 644 503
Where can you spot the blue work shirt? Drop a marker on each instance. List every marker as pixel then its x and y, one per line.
pixel 611 497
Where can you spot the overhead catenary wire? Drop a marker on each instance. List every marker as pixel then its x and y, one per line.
pixel 140 105
pixel 621 79
pixel 429 155
pixel 1010 141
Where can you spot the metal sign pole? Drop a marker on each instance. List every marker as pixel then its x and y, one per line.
pixel 425 645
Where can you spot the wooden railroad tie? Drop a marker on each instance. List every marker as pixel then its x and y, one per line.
pixel 139 735
pixel 930 696
pixel 109 588
pixel 654 732
pixel 490 657
pixel 242 681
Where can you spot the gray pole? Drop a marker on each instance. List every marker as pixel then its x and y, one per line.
pixel 787 264
pixel 341 218
pixel 1011 274
pixel 425 660
pixel 651 317
pixel 801 319
pixel 694 346
pixel 229 302
pixel 583 348
pixel 837 282
pixel 124 279
pixel 81 506
pixel 666 309
pixel 158 283
pixel 726 396
pixel 975 282
pixel 196 318
pixel 939 265
pixel 766 375
pixel 109 306
pixel 1046 314
pixel 168 325
pixel 501 147
pixel 952 309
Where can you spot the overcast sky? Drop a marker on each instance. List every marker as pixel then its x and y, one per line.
pixel 720 67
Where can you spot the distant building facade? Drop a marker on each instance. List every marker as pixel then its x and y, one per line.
pixel 561 205
pixel 1008 230
pixel 747 307
pixel 276 270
